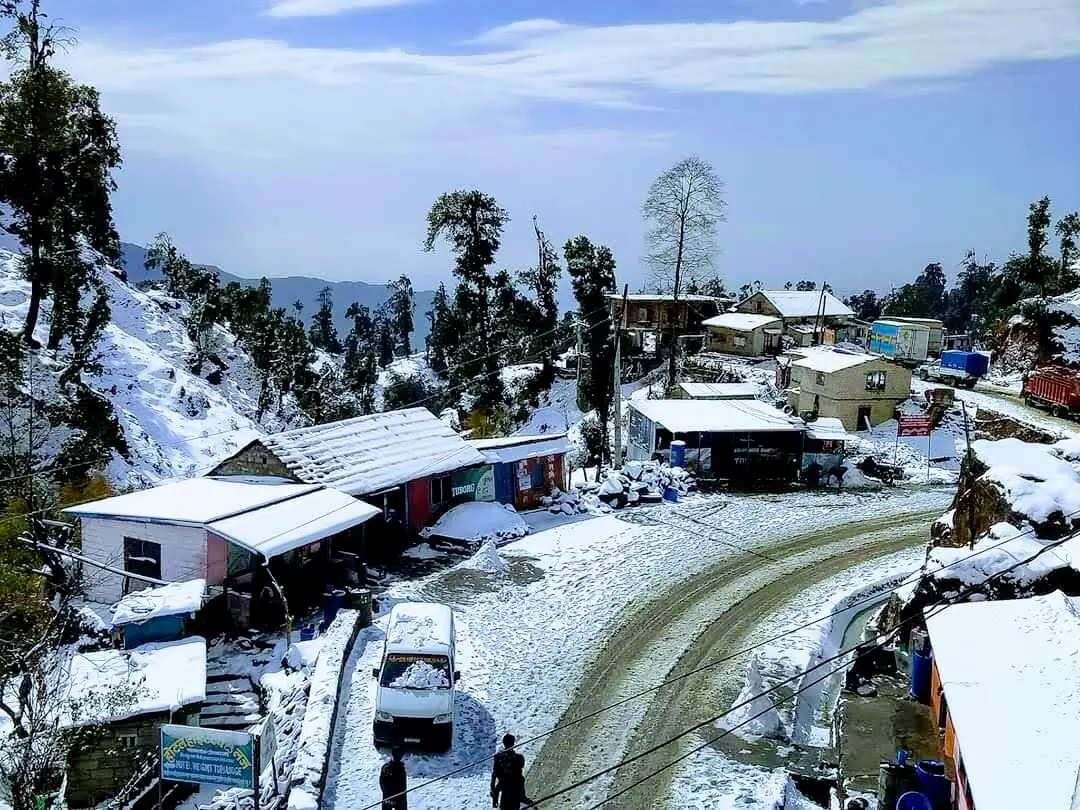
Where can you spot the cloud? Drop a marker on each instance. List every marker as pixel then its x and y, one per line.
pixel 330 8
pixel 520 30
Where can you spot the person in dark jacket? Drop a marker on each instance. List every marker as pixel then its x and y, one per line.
pixel 393 781
pixel 508 777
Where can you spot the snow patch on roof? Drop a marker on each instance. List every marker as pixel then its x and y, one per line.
pixel 716 416
pixel 520 448
pixel 740 321
pixel 372 453
pixel 1011 674
pixel 830 360
pixel 420 627
pixel 720 390
pixel 802 304
pixel 176 599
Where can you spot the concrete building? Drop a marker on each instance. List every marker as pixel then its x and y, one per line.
pixel 743 334
pixel 860 390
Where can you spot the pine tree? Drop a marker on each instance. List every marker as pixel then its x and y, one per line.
pixel 441 334
pixel 323 332
pixel 543 282
pixel 360 371
pixel 59 151
pixel 472 223
pixel 200 287
pixel 592 275
pixel 401 305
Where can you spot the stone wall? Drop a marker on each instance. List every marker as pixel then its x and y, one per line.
pixel 255 459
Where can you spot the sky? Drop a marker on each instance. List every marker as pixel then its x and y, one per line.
pixel 857 140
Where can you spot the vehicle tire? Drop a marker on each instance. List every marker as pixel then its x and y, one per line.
pixel 970 384
pixel 924 375
pixel 442 740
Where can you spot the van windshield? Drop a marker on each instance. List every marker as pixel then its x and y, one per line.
pixel 416 672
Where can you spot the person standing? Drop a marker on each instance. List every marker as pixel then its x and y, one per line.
pixel 508 777
pixel 393 781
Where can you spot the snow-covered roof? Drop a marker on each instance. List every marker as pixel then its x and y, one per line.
pixel 719 390
pixel 805 304
pixel 739 321
pixel 176 599
pixel 716 416
pixel 827 428
pixel 294 523
pixel 519 448
pixel 192 502
pixel 1012 681
pixel 907 323
pixel 159 677
pixel 375 452
pixel 644 298
pixel 420 627
pixel 830 360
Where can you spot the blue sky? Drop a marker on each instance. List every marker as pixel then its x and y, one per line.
pixel 858 141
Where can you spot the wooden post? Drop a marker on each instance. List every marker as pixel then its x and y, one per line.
pixel 256 744
pixel 617 452
pixel 970 478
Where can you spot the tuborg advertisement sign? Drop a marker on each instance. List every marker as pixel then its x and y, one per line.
pixel 208 756
pixel 474 484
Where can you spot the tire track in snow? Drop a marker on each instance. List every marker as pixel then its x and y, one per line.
pixel 688 624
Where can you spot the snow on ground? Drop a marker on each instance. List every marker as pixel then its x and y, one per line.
pixel 477 521
pixel 1007 406
pixel 1004 546
pixel 524 638
pixel 558 411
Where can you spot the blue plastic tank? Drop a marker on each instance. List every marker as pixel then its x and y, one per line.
pixel 678 453
pixel 921 668
pixel 333 601
pixel 307 633
pixel 913 801
pixel 933 783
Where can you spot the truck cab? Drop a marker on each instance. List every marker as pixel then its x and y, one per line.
pixel 415 697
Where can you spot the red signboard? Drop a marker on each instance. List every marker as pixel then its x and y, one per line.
pixel 913 426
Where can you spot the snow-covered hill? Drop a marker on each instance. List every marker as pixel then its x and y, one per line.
pixel 174 422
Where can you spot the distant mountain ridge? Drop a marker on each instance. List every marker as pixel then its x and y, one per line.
pixel 289 289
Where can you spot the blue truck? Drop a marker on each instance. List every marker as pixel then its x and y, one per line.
pixel 956 368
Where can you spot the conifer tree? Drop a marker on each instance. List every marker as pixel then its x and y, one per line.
pixel 441 334
pixel 401 305
pixel 360 370
pixel 323 332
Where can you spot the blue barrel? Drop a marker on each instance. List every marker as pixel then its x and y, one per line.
pixel 678 453
pixel 933 783
pixel 921 667
pixel 307 632
pixel 333 601
pixel 671 494
pixel 913 801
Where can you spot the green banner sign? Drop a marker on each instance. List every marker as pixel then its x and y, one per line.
pixel 207 756
pixel 476 484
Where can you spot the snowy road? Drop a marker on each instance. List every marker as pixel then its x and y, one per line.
pixel 709 615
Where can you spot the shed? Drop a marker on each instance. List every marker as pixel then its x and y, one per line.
pixel 406 462
pixel 825 441
pixel 744 334
pixel 742 441
pixel 693 390
pixel 1006 690
pixel 158 614
pixel 218 530
pixel 525 468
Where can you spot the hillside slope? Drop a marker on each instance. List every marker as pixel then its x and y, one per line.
pixel 172 421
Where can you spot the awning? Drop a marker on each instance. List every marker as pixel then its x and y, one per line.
pixel 828 429
pixel 295 523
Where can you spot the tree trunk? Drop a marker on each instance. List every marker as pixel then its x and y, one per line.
pixel 37 292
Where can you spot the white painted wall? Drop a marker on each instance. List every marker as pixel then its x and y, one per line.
pixel 183 553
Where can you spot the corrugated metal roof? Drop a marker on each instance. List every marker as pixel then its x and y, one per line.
pixel 372 453
pixel 806 304
pixel 518 448
pixel 716 416
pixel 743 321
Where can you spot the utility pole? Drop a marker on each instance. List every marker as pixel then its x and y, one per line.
pixel 577 324
pixel 970 476
pixel 618 378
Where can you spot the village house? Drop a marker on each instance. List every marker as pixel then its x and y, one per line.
pixel 1005 691
pixel 699 390
pixel 242 537
pixel 860 390
pixel 126 695
pixel 525 468
pixel 743 334
pixel 742 442
pixel 808 317
pixel 649 317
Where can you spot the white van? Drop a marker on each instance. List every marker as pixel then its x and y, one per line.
pixel 414 702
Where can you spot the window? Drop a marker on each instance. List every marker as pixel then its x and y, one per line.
pixel 739 341
pixel 757 306
pixel 642 314
pixel 721 339
pixel 820 379
pixel 537 476
pixel 875 381
pixel 142 557
pixel 126 742
pixel 440 490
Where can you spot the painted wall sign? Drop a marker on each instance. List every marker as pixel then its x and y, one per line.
pixel 476 484
pixel 207 756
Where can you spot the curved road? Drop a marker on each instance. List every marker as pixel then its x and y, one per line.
pixel 689 624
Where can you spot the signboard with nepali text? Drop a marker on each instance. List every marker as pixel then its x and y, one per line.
pixel 208 756
pixel 913 426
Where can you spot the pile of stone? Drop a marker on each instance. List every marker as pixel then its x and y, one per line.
pixel 638 482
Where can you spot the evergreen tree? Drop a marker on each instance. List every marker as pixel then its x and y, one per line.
pixel 543 282
pixel 401 305
pixel 866 305
pixel 200 287
pixel 59 151
pixel 924 298
pixel 386 342
pixel 442 334
pixel 592 275
pixel 360 371
pixel 472 223
pixel 323 332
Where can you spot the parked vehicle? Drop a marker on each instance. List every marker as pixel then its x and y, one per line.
pixel 414 701
pixel 1056 389
pixel 961 369
pixel 903 342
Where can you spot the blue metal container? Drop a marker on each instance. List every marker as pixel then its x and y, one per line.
pixel 307 633
pixel 972 363
pixel 883 339
pixel 933 783
pixel 913 801
pixel 671 494
pixel 921 668
pixel 678 453
pixel 333 601
pixel 161 628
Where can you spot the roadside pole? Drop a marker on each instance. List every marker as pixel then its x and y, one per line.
pixel 617 450
pixel 929 445
pixel 970 478
pixel 577 323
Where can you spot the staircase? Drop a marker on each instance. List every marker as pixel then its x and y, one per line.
pixel 231 702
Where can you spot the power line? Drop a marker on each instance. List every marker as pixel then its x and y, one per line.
pixel 709 665
pixel 941 605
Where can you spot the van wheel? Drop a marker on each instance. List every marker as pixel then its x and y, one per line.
pixel 924 375
pixel 443 741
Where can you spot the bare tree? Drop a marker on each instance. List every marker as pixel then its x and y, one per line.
pixel 683 208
